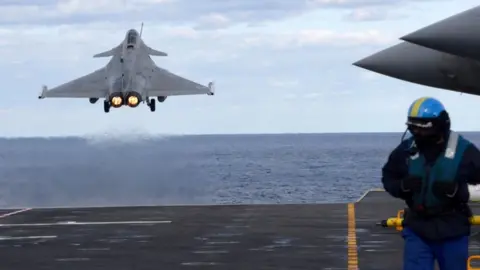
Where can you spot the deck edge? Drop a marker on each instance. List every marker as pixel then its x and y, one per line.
pixel 368 192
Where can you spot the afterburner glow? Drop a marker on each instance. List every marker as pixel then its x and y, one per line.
pixel 116 101
pixel 132 100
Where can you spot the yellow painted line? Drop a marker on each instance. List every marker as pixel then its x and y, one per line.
pixel 352 239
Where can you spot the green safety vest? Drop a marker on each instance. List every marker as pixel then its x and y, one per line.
pixel 443 169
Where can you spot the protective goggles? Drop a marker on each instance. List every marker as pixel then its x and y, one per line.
pixel 421 127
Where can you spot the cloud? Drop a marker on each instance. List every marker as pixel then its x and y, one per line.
pixel 352 4
pixel 283 83
pixel 72 41
pixel 319 36
pixel 213 21
pixel 373 10
pixel 205 14
pixel 372 14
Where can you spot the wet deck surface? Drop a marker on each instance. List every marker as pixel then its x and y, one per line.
pixel 201 237
pixel 382 248
pixel 378 248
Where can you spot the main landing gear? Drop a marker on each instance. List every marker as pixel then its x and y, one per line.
pixel 106 106
pixel 151 104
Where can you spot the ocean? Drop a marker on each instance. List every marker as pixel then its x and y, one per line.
pixel 203 169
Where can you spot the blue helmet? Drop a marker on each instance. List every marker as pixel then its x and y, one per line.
pixel 429 115
pixel 425 107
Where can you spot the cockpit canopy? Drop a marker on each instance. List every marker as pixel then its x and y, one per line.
pixel 132 36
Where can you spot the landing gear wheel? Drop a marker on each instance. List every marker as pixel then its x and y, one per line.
pixel 152 105
pixel 106 106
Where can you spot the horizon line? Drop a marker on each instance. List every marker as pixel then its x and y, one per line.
pixel 86 136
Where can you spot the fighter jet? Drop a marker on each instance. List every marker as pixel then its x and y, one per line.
pixel 457 35
pixel 440 56
pixel 421 65
pixel 130 77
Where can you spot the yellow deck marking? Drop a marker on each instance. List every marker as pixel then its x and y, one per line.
pixel 352 239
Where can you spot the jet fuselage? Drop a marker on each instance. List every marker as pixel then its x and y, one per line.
pixel 126 71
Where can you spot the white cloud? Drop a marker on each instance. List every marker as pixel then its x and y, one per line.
pixel 367 14
pixel 207 13
pixel 213 21
pixel 283 83
pixel 314 37
pixel 319 36
pixel 72 42
pixel 183 32
pixel 98 6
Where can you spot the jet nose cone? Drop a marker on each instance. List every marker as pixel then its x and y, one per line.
pixel 421 65
pixel 403 61
pixel 458 35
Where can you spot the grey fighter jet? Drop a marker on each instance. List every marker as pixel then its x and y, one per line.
pixel 131 77
pixel 421 65
pixel 443 55
pixel 458 35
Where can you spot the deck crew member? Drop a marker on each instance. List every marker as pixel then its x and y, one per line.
pixel 430 172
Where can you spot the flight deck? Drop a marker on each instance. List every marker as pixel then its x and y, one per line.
pixel 292 236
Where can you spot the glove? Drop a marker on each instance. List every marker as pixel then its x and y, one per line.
pixel 444 189
pixel 411 184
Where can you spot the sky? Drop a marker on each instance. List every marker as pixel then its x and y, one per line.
pixel 280 66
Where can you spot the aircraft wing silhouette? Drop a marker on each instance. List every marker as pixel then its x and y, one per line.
pixel 92 85
pixel 164 83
